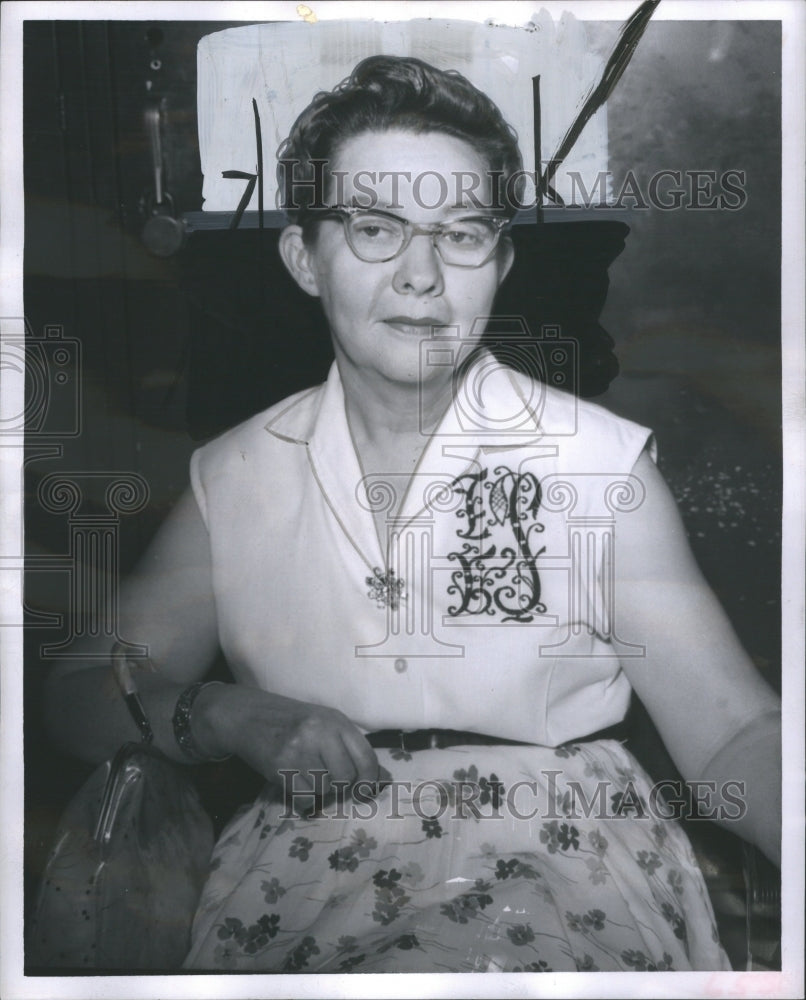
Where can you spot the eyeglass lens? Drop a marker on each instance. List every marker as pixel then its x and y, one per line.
pixel 378 238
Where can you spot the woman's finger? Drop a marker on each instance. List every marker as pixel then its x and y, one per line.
pixel 338 763
pixel 364 758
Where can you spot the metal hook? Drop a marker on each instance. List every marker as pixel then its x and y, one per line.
pixel 163 234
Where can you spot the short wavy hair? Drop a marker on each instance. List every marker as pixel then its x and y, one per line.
pixel 383 93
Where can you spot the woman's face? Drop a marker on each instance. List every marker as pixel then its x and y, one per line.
pixel 379 313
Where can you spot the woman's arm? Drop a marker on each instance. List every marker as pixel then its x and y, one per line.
pixel 719 720
pixel 168 605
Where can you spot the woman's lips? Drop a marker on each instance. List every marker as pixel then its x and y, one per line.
pixel 414 324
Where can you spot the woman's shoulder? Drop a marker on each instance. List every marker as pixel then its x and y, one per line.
pixel 290 420
pixel 575 422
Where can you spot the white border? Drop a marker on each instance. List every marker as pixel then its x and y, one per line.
pixel 788 983
pixel 793 400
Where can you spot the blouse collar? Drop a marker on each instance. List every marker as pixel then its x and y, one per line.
pixel 493 409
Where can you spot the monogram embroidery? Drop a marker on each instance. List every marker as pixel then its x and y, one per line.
pixel 495 576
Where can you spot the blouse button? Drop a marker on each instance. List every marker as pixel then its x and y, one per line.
pixel 401 665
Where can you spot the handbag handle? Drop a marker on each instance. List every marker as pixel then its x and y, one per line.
pixel 123 675
pixel 120 776
pixel 124 770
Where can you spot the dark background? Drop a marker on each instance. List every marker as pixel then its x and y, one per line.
pixel 175 349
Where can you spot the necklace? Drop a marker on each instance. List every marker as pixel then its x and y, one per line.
pixel 385 588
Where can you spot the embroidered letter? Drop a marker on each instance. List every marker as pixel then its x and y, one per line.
pixel 495 576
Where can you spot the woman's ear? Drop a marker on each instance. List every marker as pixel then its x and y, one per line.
pixel 297 258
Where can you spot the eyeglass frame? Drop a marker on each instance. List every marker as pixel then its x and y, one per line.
pixel 432 229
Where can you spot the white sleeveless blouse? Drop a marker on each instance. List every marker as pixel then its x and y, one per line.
pixel 489 606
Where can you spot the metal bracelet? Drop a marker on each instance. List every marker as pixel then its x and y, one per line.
pixel 182 724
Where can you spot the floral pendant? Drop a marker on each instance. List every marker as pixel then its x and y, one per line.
pixel 386 589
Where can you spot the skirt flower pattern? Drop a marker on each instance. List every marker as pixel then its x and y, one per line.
pixel 474 859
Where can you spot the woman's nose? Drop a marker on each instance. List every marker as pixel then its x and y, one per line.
pixel 419 268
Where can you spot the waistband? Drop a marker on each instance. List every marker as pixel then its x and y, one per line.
pixel 439 739
pixel 432 739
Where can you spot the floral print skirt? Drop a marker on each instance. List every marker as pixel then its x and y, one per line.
pixel 473 859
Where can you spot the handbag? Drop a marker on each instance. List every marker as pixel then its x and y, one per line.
pixel 131 854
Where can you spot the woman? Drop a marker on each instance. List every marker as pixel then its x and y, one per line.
pixel 391 564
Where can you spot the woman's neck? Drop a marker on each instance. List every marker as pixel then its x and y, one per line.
pixel 380 411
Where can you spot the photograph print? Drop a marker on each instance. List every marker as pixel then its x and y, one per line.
pixel 404 457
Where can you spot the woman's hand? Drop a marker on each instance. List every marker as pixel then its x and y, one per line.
pixel 301 747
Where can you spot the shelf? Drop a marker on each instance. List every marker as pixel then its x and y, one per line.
pixel 208 221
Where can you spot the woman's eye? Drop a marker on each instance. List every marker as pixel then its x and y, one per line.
pixel 373 228
pixel 464 235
